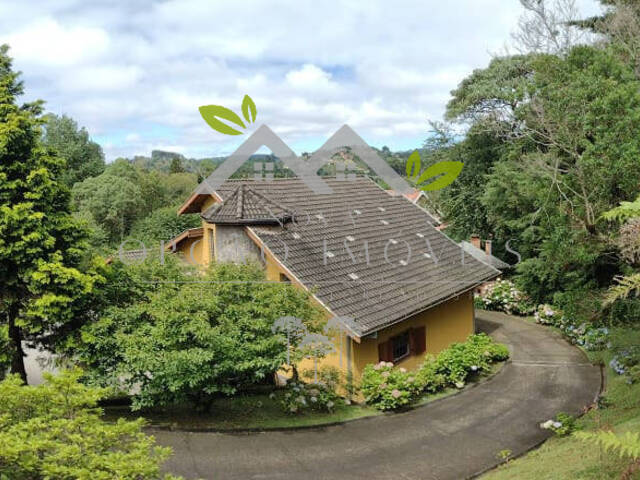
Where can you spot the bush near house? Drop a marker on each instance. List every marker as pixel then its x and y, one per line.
pixel 54 431
pixel 185 341
pixel 503 296
pixel 388 388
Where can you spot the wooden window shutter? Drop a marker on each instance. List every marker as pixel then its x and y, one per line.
pixel 385 351
pixel 418 340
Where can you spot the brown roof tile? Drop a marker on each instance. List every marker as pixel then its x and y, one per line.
pixel 362 251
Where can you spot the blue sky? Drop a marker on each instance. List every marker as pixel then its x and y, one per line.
pixel 134 73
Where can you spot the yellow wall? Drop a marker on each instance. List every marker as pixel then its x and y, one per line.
pixel 449 322
pixel 184 250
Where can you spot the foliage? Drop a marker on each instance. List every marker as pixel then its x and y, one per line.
pixel 83 157
pixel 114 203
pixel 162 224
pixel 626 446
pixel 46 282
pixel 503 296
pixel 460 360
pixel 388 388
pixel 300 397
pixel 583 334
pixel 563 424
pixel 55 431
pixel 625 211
pixel 185 341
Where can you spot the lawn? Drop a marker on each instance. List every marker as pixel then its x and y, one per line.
pixel 570 458
pixel 259 411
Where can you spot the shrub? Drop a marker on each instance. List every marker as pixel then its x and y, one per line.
pixel 299 397
pixel 388 388
pixel 327 375
pixel 547 315
pixel 428 377
pixel 564 424
pixel 460 360
pixel 627 362
pixel 54 430
pixel 503 296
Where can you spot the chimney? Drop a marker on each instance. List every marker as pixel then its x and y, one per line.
pixel 487 247
pixel 475 240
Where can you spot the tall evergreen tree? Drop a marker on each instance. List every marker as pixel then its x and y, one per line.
pixel 42 288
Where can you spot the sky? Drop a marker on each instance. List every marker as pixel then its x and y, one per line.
pixel 135 72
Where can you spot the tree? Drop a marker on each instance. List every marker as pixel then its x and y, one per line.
pixel 43 283
pixel 84 158
pixel 54 430
pixel 176 165
pixel 163 224
pixel 113 201
pixel 186 341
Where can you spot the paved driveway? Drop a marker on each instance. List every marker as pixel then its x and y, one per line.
pixel 454 438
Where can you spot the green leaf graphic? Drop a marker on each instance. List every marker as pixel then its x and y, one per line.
pixel 413 165
pixel 449 171
pixel 249 106
pixel 210 113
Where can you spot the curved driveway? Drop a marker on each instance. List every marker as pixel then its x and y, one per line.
pixel 453 438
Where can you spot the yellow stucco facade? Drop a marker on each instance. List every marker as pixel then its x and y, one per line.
pixel 449 322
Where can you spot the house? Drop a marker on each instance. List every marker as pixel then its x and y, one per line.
pixel 398 287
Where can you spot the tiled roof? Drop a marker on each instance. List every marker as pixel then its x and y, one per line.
pixel 245 206
pixel 324 247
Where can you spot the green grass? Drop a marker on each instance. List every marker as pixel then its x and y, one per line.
pixel 570 458
pixel 259 411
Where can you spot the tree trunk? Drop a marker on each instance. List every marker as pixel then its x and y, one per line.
pixel 15 335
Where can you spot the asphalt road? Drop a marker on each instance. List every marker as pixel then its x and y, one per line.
pixel 453 438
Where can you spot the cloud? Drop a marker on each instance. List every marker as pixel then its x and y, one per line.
pixel 135 73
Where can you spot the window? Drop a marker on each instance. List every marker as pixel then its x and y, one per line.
pixel 400 345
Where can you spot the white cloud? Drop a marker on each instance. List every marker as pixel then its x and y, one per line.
pixel 46 42
pixel 135 73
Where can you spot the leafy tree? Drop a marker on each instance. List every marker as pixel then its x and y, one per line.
pixel 55 431
pixel 163 224
pixel 113 201
pixel 176 165
pixel 191 341
pixel 44 286
pixel 84 158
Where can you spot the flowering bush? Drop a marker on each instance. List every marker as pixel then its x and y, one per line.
pixel 627 363
pixel 563 424
pixel 300 396
pixel 460 360
pixel 388 388
pixel 547 315
pixel 585 335
pixel 503 296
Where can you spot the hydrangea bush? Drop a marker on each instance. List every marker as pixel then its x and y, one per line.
pixel 627 363
pixel 503 296
pixel 563 424
pixel 587 336
pixel 300 397
pixel 389 388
